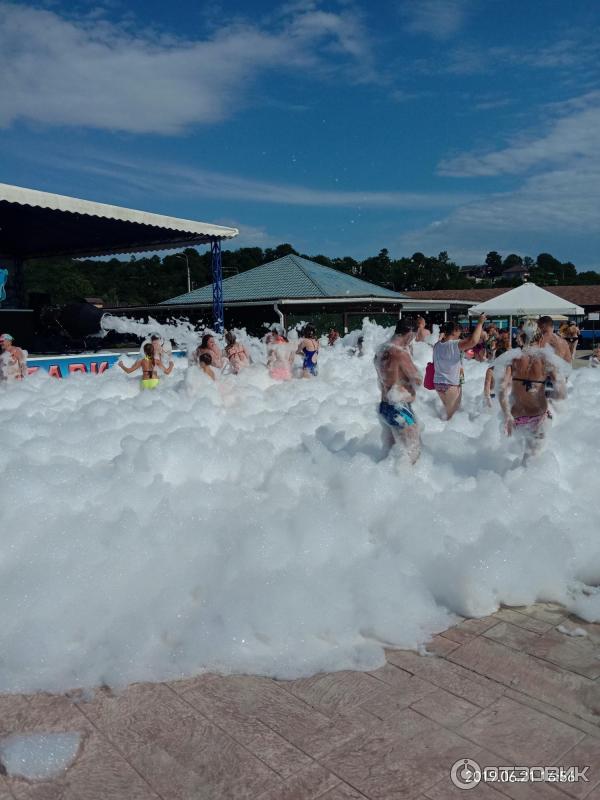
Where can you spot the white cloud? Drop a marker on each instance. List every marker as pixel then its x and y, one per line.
pixel 168 179
pixel 91 73
pixel 440 19
pixel 557 200
pixel 572 136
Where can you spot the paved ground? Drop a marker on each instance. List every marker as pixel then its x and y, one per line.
pixel 508 689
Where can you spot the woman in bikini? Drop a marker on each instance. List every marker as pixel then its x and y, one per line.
pixel 238 355
pixel 524 393
pixel 149 367
pixel 308 347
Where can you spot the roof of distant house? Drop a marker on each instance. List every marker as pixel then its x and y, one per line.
pixel 580 295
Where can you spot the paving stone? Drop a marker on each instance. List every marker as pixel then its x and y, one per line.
pixel 591 628
pixel 446 790
pixel 474 626
pixel 445 708
pixel 522 620
pixel 458 635
pixel 13 709
pixel 308 784
pixel 520 734
pixel 229 700
pixel 585 753
pixel 520 791
pixel 403 689
pixel 512 636
pixel 395 762
pixel 334 692
pixel 590 728
pixel 4 791
pixel 577 654
pixel 272 749
pixel 440 645
pixel 546 612
pixel 343 792
pixel 529 675
pixel 177 750
pixel 475 688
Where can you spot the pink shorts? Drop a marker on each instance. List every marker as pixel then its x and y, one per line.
pixel 280 373
pixel 443 387
pixel 530 422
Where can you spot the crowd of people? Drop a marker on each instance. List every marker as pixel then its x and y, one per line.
pixel 529 379
pixel 524 383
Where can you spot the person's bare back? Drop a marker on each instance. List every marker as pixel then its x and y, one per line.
pixel 528 392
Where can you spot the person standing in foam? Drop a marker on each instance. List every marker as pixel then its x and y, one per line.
pixel 13 360
pixel 398 379
pixel 447 356
pixel 548 337
pixel 209 346
pixel 205 364
pixel 523 392
pixel 238 355
pixel 149 367
pixel 308 347
pixel 423 333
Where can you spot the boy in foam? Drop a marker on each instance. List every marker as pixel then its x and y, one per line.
pixel 523 392
pixel 398 379
pixel 13 360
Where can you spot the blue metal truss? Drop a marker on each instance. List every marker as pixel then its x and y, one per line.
pixel 217 276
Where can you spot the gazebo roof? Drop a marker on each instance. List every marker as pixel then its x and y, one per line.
pixel 286 278
pixel 36 224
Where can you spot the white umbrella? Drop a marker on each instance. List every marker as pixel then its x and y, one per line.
pixel 527 300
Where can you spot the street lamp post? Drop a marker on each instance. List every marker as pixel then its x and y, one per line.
pixel 184 255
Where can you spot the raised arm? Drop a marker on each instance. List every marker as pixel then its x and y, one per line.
pixel 131 369
pixel 473 339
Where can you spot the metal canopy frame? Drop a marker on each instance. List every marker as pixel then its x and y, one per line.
pixel 36 224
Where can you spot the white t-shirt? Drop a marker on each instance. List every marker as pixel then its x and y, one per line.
pixel 446 362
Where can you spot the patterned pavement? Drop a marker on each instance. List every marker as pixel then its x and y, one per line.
pixel 510 689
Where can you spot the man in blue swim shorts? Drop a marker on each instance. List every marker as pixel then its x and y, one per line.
pixel 398 378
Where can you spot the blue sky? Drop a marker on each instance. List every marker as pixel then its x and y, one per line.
pixel 341 127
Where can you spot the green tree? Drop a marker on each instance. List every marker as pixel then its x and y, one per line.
pixel 378 269
pixel 512 260
pixel 493 261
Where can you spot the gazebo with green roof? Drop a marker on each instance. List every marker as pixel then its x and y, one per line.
pixel 295 286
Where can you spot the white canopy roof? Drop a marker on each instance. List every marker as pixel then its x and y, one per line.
pixel 527 299
pixel 37 224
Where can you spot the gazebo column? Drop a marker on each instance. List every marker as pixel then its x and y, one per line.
pixel 217 284
pixel 345 322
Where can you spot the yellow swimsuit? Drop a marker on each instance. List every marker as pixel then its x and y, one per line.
pixel 149 381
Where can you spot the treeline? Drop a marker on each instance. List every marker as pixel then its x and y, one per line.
pixel 146 281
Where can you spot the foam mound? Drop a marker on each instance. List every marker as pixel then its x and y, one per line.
pixel 254 527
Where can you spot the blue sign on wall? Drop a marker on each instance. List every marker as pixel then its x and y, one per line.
pixel 96 364
pixel 3 279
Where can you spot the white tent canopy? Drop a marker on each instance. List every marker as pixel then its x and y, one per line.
pixel 527 300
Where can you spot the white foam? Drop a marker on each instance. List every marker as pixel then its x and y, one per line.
pixel 251 526
pixel 38 756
